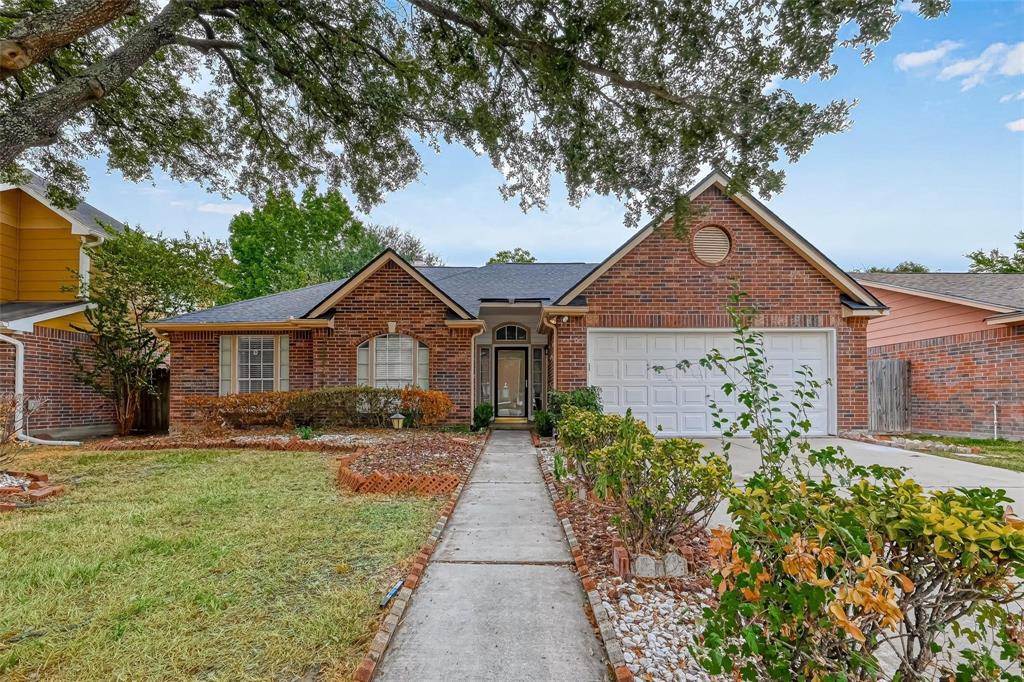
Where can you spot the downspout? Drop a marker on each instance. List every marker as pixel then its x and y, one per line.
pixel 473 382
pixel 19 392
pixel 995 420
pixel 554 364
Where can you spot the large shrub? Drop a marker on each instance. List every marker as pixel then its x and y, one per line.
pixel 829 563
pixel 425 408
pixel 588 398
pixel 581 434
pixel 665 487
pixel 241 410
pixel 345 406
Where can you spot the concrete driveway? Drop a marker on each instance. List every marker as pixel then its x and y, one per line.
pixel 928 470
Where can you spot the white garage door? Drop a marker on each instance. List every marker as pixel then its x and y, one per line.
pixel 621 363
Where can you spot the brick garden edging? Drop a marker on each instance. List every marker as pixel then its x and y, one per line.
pixel 612 646
pixel 379 644
pixel 39 489
pixel 393 483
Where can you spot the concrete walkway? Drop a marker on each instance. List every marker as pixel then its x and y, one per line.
pixel 498 600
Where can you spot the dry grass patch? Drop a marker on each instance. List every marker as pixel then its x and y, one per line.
pixel 198 564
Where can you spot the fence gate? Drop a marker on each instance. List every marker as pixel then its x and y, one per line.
pixel 889 396
pixel 155 409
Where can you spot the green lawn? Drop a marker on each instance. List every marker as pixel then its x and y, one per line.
pixel 1007 454
pixel 198 564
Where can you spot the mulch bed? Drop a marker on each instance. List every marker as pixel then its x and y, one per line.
pixel 421 453
pixel 265 439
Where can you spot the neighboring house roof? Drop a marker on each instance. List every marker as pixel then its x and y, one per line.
pixel 84 216
pixel 847 284
pixel 22 315
pixel 998 292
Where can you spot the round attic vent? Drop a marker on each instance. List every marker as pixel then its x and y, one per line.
pixel 711 244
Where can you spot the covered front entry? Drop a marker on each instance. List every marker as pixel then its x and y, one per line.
pixel 510 382
pixel 622 364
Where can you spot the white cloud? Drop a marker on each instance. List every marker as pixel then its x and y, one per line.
pixel 223 207
pixel 1016 126
pixel 1012 97
pixel 912 60
pixel 1014 64
pixel 1007 60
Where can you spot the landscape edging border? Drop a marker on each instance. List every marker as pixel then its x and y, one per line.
pixel 387 628
pixel 610 640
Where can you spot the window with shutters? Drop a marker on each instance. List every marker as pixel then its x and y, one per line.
pixel 393 361
pixel 255 364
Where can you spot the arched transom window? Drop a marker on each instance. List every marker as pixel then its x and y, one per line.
pixel 392 361
pixel 511 332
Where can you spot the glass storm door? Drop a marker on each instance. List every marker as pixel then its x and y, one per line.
pixel 510 382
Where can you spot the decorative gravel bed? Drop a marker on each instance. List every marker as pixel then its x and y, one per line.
pixel 656 620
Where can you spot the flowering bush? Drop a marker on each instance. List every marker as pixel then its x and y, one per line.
pixel 822 572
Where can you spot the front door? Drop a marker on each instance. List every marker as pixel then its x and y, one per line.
pixel 510 382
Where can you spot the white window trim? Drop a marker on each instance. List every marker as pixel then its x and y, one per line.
pixel 371 361
pixel 235 360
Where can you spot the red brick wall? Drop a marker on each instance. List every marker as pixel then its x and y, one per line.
pixel 391 295
pixel 325 357
pixel 50 376
pixel 955 379
pixel 660 284
pixel 195 366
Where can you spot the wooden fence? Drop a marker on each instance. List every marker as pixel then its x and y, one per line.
pixel 889 396
pixel 154 415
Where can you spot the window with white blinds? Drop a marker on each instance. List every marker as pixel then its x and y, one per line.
pixel 392 361
pixel 255 364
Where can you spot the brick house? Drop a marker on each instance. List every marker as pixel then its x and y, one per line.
pixel 41 246
pixel 508 333
pixel 963 334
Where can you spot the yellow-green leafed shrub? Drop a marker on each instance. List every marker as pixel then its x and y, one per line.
pixel 581 434
pixel 665 487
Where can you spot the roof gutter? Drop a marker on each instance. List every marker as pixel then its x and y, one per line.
pixel 291 323
pixel 1006 318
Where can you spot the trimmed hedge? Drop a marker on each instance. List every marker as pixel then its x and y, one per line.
pixel 342 406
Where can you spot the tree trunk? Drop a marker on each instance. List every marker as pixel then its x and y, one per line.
pixel 37 36
pixel 37 121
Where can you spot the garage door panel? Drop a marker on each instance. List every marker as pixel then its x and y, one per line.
pixel 622 365
pixel 634 396
pixel 664 395
pixel 634 369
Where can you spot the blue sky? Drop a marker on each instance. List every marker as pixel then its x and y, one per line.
pixel 932 167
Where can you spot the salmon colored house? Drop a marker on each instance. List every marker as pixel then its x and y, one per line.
pixel 41 247
pixel 963 335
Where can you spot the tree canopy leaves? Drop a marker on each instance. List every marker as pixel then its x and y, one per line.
pixel 516 255
pixel 625 98
pixel 905 266
pixel 995 261
pixel 287 244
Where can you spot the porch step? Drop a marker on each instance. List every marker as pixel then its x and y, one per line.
pixel 511 426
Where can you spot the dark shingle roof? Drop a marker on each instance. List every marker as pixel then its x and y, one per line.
pixel 270 308
pixel 9 312
pixel 86 214
pixel 995 289
pixel 466 285
pixel 510 281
